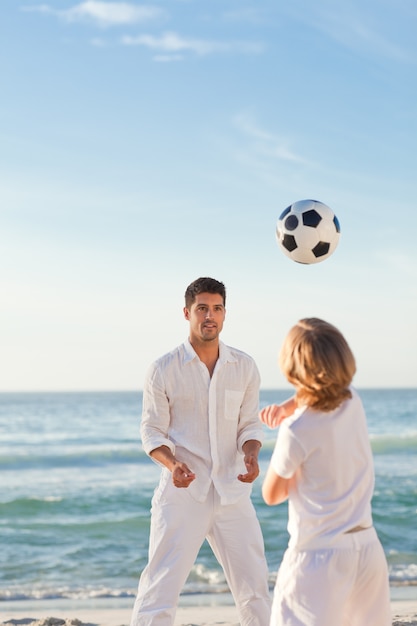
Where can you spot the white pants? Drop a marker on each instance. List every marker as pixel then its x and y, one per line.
pixel 179 526
pixel 346 585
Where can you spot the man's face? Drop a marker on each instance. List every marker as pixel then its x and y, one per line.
pixel 206 317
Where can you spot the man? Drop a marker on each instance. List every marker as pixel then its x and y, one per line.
pixel 200 423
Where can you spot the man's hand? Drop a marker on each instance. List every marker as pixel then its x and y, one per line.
pixel 251 450
pixel 252 467
pixel 182 476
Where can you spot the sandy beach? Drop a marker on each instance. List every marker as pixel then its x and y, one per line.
pixel 404 612
pixel 201 616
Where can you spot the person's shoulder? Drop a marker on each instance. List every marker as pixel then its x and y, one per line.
pixel 351 404
pixel 170 356
pixel 354 394
pixel 297 420
pixel 236 353
pixel 354 403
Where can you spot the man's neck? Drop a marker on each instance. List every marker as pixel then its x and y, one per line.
pixel 208 353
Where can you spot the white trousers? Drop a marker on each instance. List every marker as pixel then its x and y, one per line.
pixel 346 585
pixel 179 525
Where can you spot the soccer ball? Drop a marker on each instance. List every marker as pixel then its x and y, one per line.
pixel 308 231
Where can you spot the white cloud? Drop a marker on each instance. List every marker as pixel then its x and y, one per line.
pixel 103 13
pixel 266 143
pixel 168 47
pixel 171 42
pixel 363 29
pixel 357 32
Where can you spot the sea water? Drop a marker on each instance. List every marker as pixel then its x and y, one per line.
pixel 75 491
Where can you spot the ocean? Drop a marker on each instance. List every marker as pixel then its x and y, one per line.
pixel 76 486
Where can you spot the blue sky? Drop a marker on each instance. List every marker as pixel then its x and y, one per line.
pixel 144 145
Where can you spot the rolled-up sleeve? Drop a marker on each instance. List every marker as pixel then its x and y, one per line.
pixel 249 425
pixel 155 412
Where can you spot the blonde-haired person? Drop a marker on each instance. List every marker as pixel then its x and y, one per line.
pixel 334 571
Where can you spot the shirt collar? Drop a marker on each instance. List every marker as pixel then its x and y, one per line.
pixel 225 353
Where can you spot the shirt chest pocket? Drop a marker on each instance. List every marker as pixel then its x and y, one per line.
pixel 232 403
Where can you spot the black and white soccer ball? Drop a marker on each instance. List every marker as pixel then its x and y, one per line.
pixel 308 231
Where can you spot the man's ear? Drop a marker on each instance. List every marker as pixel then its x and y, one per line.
pixel 186 313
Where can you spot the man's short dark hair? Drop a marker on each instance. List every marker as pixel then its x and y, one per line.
pixel 204 285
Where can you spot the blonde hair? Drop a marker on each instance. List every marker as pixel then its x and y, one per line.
pixel 317 360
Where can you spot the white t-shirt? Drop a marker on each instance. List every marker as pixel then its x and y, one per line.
pixel 328 459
